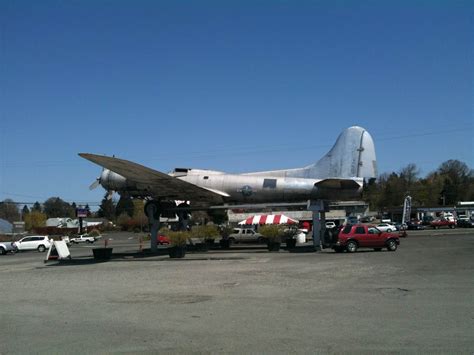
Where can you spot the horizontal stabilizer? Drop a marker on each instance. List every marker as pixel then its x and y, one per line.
pixel 339 184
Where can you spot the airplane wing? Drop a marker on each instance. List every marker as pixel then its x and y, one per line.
pixel 155 183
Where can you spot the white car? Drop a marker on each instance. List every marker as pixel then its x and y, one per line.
pixel 386 227
pixel 34 242
pixel 330 225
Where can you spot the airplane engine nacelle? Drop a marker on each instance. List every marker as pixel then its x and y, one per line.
pixel 113 181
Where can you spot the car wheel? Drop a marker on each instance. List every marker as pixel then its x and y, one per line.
pixel 88 242
pixel 231 241
pixel 391 245
pixel 2 251
pixel 260 240
pixel 41 248
pixel 377 249
pixel 352 246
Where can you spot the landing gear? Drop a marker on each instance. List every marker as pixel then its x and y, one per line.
pixel 155 209
pixel 152 211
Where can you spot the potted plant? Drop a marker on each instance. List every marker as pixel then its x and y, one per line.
pixel 273 233
pixel 178 239
pixel 205 234
pixel 225 242
pixel 104 253
pixel 290 237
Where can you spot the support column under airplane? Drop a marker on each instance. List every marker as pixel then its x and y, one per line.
pixel 152 211
pixel 318 208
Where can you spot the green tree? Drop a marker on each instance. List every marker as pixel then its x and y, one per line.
pixel 56 207
pixel 125 205
pixel 9 211
pixel 106 208
pixel 25 210
pixel 37 207
pixel 457 182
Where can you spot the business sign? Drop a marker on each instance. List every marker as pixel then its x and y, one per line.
pixel 81 212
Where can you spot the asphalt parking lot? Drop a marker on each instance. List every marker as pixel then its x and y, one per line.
pixel 419 299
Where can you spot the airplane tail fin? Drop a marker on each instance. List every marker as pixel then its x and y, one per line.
pixel 353 155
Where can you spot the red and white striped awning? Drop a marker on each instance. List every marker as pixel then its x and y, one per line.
pixel 269 219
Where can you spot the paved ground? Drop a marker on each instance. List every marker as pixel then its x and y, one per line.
pixel 419 299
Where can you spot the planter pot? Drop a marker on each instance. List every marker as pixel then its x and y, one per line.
pixel 210 243
pixel 225 243
pixel 177 252
pixel 273 246
pixel 102 253
pixel 290 243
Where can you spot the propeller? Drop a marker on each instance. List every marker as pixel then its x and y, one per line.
pixel 95 184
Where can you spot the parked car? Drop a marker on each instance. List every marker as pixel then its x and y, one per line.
pixel 163 239
pixel 330 225
pixel 386 227
pixel 6 247
pixel 245 235
pixel 415 224
pixel 439 223
pixel 82 238
pixel 427 220
pixel 353 237
pixel 466 223
pixel 35 242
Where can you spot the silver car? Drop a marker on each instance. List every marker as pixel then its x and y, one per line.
pixel 245 235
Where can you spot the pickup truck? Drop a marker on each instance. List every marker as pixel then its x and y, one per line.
pixel 82 238
pixel 438 223
pixel 243 235
pixel 6 247
pixel 353 237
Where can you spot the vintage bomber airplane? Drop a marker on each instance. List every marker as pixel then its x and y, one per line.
pixel 338 175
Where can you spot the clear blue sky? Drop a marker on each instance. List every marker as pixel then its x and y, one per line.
pixel 227 85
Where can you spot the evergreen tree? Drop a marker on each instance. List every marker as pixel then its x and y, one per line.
pixel 36 207
pixel 25 210
pixel 106 209
pixel 125 205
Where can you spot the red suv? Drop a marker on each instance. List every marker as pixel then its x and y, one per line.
pixel 352 237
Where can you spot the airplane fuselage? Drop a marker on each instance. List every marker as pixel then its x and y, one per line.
pixel 254 189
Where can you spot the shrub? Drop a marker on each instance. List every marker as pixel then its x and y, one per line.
pixel 205 232
pixel 94 233
pixel 178 238
pixel 272 232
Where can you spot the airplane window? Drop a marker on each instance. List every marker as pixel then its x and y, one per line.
pixel 206 177
pixel 269 183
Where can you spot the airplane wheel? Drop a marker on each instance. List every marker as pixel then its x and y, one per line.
pixel 152 210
